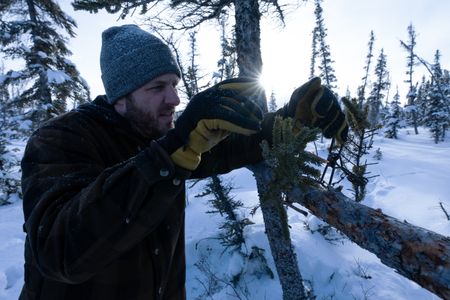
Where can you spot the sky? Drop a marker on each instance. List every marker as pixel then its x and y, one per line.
pixel 286 49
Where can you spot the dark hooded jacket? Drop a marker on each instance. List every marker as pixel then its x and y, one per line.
pixel 104 208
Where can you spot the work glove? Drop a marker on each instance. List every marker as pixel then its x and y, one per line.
pixel 315 105
pixel 210 117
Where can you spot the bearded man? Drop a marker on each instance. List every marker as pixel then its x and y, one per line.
pixel 104 184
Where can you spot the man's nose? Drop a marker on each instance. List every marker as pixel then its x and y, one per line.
pixel 172 97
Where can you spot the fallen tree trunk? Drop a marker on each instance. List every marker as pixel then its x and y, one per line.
pixel 418 254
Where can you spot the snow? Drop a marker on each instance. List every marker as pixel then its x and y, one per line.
pixel 11 250
pixel 69 62
pixel 13 74
pixel 57 77
pixel 42 54
pixel 413 179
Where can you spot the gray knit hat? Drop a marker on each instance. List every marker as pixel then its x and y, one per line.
pixel 131 57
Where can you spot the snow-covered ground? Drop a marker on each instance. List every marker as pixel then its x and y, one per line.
pixel 414 176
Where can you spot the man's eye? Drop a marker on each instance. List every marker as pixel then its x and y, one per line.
pixel 156 88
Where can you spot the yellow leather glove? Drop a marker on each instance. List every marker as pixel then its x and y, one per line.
pixel 210 117
pixel 315 105
pixel 207 134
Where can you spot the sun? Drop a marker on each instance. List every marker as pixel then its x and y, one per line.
pixel 266 82
pixel 277 82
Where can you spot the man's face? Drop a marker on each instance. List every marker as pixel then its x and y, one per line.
pixel 150 109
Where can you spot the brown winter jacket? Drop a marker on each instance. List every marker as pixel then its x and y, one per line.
pixel 104 208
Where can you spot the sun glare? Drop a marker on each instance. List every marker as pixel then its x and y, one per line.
pixel 266 82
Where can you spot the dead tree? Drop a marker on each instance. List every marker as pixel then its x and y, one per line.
pixel 418 254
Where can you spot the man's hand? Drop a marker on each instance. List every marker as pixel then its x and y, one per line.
pixel 312 104
pixel 210 117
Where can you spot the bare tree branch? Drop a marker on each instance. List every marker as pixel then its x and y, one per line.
pixel 444 210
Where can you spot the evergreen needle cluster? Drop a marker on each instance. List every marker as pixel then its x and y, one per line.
pixel 291 164
pixel 359 143
pixel 231 233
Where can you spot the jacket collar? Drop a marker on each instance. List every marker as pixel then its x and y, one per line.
pixel 103 112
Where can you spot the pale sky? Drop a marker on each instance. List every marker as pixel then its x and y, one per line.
pixel 287 50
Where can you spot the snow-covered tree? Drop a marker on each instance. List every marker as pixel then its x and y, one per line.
pixel 4 97
pixel 446 92
pixel 411 63
pixel 327 73
pixel 436 114
pixel 393 120
pixel 384 110
pixel 9 133
pixel 379 88
pixel 273 102
pixel 421 100
pixel 33 33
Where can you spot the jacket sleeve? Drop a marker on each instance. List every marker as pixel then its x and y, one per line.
pixel 236 151
pixel 81 216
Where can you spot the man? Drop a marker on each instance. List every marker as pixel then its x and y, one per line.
pixel 104 185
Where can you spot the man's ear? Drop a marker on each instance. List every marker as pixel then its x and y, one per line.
pixel 121 107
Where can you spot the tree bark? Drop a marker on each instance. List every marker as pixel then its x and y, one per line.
pixel 248 40
pixel 248 48
pixel 277 231
pixel 418 254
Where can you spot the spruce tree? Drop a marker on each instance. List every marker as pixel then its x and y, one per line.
pixel 191 76
pixel 365 79
pixel 446 93
pixel 411 63
pixel 327 73
pixel 291 166
pixel 32 33
pixel 379 88
pixel 436 115
pixel 384 110
pixel 4 99
pixel 10 133
pixel 421 100
pixel 314 53
pixel 360 141
pixel 273 102
pixel 393 120
pixel 231 234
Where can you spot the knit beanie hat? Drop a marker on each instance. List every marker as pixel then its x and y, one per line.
pixel 131 57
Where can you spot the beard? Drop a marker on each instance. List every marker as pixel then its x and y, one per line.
pixel 146 123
